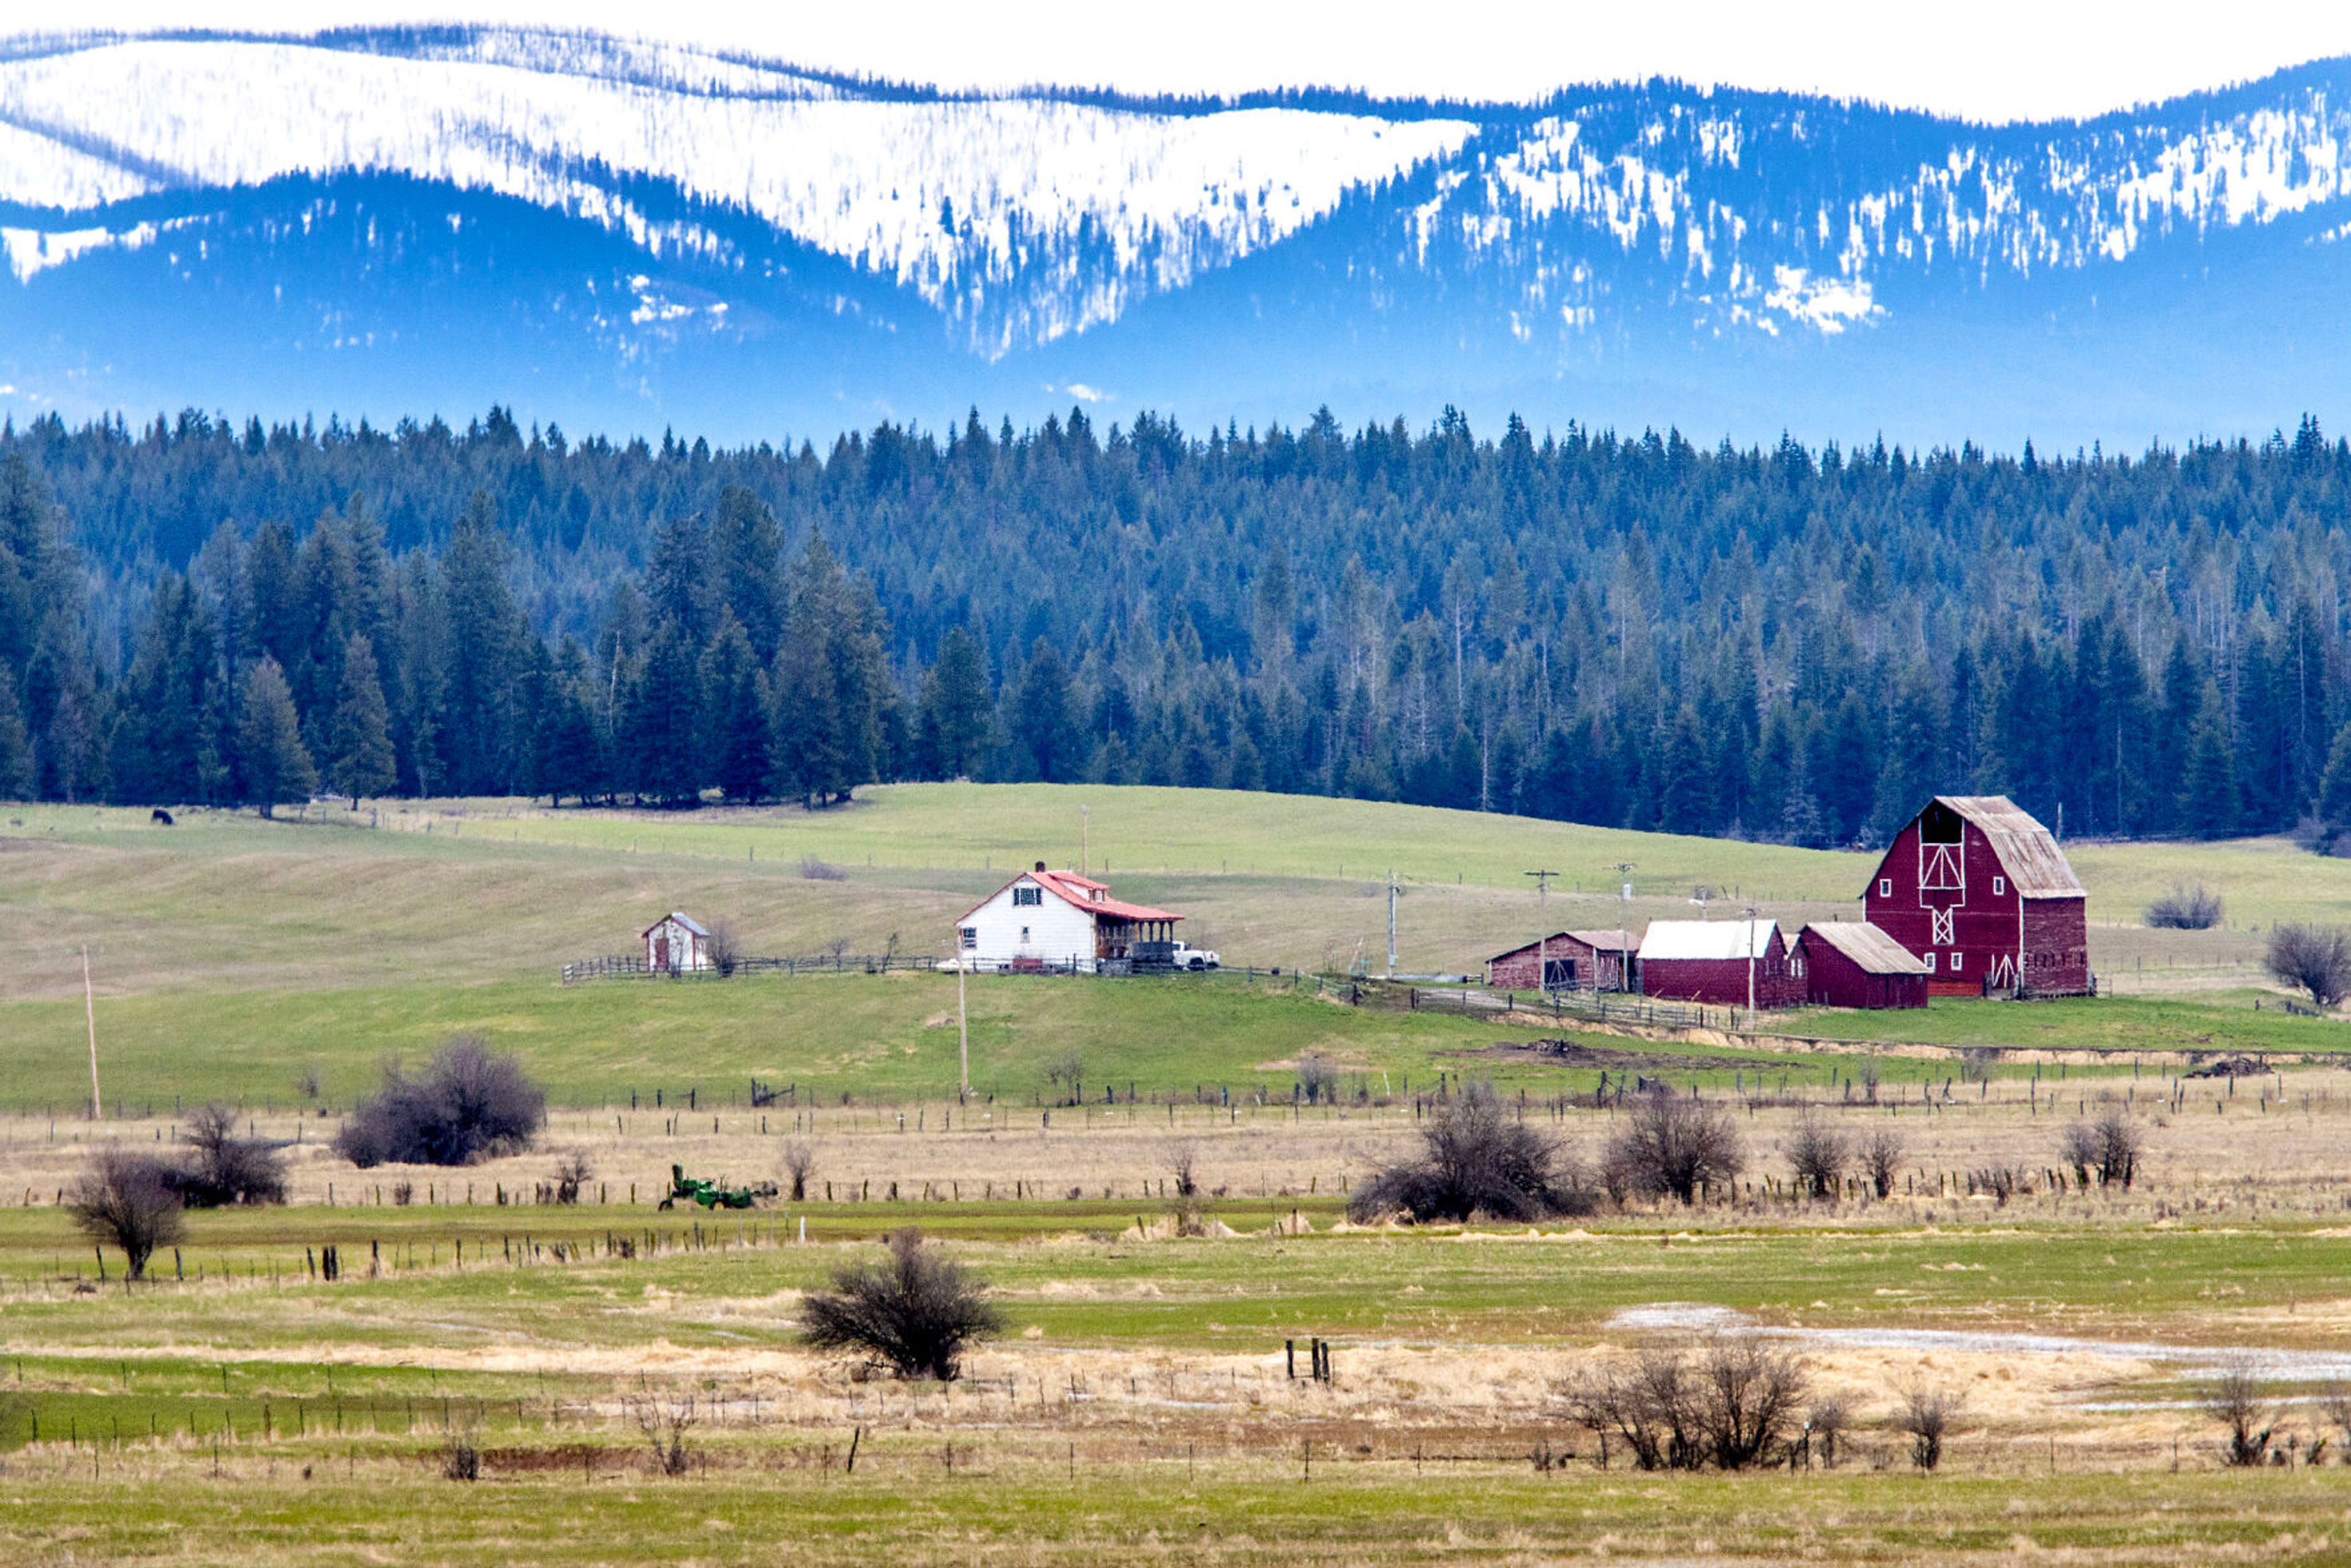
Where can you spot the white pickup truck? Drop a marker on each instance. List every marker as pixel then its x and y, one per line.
pixel 1194 958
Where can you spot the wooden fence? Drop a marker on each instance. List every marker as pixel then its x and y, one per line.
pixel 634 963
pixel 1596 1006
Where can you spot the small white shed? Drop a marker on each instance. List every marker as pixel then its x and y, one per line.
pixel 675 944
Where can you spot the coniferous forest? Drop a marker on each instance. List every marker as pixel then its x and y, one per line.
pixel 1795 643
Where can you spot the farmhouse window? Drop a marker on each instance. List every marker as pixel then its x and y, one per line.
pixel 1024 935
pixel 970 937
pixel 1885 887
pixel 1024 895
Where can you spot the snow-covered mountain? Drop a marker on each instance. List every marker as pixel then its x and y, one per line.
pixel 628 235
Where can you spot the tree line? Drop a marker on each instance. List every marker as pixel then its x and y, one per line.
pixel 1789 643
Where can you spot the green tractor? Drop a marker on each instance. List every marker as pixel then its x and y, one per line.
pixel 709 1194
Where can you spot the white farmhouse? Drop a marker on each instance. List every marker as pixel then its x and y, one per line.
pixel 675 944
pixel 1056 918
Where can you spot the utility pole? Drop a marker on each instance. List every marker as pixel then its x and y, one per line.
pixel 90 1012
pixel 1624 869
pixel 1750 971
pixel 1393 891
pixel 1085 814
pixel 1543 937
pixel 963 1023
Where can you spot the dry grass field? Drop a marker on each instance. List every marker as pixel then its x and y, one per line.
pixel 1139 1406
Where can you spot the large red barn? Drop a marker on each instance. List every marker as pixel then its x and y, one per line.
pixel 1977 889
pixel 1714 961
pixel 1853 964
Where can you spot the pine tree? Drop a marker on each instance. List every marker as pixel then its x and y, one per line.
pixel 359 755
pixel 15 746
pixel 735 724
pixel 956 709
pixel 2209 805
pixel 275 766
pixel 1038 717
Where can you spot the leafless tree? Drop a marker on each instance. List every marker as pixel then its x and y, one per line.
pixel 470 1104
pixel 572 1172
pixel 1067 1074
pixel 1670 1147
pixel 1181 1156
pixel 725 948
pixel 127 1199
pixel 1817 1154
pixel 1476 1159
pixel 1730 1404
pixel 815 870
pixel 1881 1159
pixel 1870 1077
pixel 1927 1413
pixel 228 1169
pixel 2312 958
pixel 1828 1417
pixel 461 1455
pixel 916 1312
pixel 2107 1149
pixel 2195 908
pixel 2335 1405
pixel 2235 1402
pixel 799 1160
pixel 1976 1063
pixel 1317 1080
pixel 665 1425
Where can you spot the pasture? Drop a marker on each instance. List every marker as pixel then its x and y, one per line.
pixel 1140 1406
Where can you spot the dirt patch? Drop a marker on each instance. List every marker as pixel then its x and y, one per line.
pixel 1575 1053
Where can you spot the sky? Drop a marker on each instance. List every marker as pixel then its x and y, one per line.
pixel 1984 60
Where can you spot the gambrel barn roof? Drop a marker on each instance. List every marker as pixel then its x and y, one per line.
pixel 2028 852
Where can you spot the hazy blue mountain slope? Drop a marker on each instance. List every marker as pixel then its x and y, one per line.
pixel 626 236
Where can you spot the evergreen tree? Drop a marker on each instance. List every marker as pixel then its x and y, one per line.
pixel 271 763
pixel 360 761
pixel 2209 804
pixel 15 746
pixel 956 709
pixel 1038 719
pixel 734 742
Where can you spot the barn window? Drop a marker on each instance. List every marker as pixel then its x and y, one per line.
pixel 1956 959
pixel 1885 887
pixel 1931 963
pixel 1999 885
pixel 970 937
pixel 1022 895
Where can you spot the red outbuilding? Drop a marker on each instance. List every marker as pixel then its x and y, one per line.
pixel 1979 891
pixel 1714 960
pixel 1853 964
pixel 1571 961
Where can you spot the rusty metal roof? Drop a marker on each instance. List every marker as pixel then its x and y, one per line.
pixel 2028 852
pixel 1713 939
pixel 1867 945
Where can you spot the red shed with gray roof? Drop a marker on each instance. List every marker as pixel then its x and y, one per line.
pixel 1853 964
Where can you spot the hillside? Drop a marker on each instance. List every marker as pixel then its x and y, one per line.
pixel 654 235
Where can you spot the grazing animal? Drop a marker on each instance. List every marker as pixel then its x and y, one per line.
pixel 160 817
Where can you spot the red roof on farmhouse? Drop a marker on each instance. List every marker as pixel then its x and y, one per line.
pixel 1083 891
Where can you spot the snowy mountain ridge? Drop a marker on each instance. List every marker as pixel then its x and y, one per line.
pixel 889 235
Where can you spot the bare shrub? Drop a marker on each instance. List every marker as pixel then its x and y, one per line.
pixel 1729 1405
pixel 461 1455
pixel 1067 1074
pixel 2107 1149
pixel 1869 1078
pixel 228 1169
pixel 1476 1160
pixel 915 1313
pixel 404 1193
pixel 1828 1417
pixel 1978 1062
pixel 1998 1181
pixel 2315 959
pixel 665 1426
pixel 1182 1158
pixel 799 1162
pixel 128 1200
pixel 2235 1402
pixel 2195 908
pixel 572 1172
pixel 306 1082
pixel 1671 1147
pixel 1926 1413
pixel 469 1105
pixel 1881 1160
pixel 1317 1080
pixel 1817 1154
pixel 725 948
pixel 2335 1405
pixel 815 870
